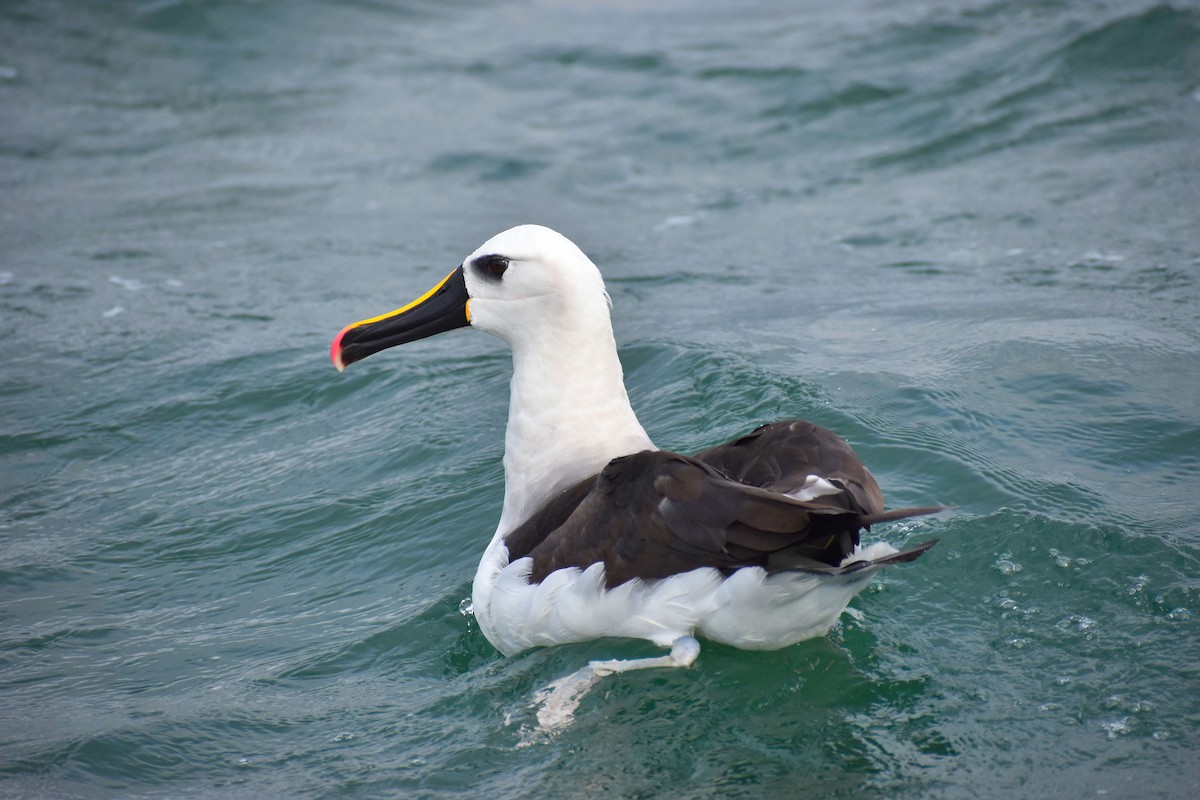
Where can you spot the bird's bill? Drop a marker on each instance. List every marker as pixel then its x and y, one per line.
pixel 442 308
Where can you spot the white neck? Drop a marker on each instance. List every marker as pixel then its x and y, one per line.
pixel 568 416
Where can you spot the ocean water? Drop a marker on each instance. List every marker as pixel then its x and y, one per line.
pixel 963 234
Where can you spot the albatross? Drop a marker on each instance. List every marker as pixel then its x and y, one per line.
pixel 753 543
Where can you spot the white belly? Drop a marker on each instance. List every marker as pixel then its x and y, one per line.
pixel 749 609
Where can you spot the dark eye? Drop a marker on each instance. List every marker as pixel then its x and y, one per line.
pixel 493 265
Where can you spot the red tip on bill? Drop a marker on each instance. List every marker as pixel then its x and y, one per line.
pixel 335 349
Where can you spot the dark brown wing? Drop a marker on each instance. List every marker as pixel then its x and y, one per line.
pixel 655 514
pixel 781 455
pixel 547 520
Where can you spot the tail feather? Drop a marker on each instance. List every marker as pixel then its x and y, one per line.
pixel 800 561
pixel 904 556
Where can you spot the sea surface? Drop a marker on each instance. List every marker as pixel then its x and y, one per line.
pixel 965 235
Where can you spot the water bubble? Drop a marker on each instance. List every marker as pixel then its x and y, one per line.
pixel 1048 707
pixel 1006 567
pixel 1139 585
pixel 342 737
pixel 1063 680
pixel 243 762
pixel 1179 614
pixel 466 608
pixel 1077 622
pixel 1116 727
pixel 1062 561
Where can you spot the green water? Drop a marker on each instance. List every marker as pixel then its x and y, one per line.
pixel 963 234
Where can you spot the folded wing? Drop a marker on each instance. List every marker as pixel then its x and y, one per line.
pixel 654 514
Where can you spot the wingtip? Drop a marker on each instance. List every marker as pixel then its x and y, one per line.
pixel 901 513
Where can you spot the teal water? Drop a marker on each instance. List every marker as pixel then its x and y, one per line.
pixel 963 234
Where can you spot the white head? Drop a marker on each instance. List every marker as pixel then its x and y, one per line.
pixel 531 281
pixel 527 284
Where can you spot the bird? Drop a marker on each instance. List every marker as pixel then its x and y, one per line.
pixel 754 543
